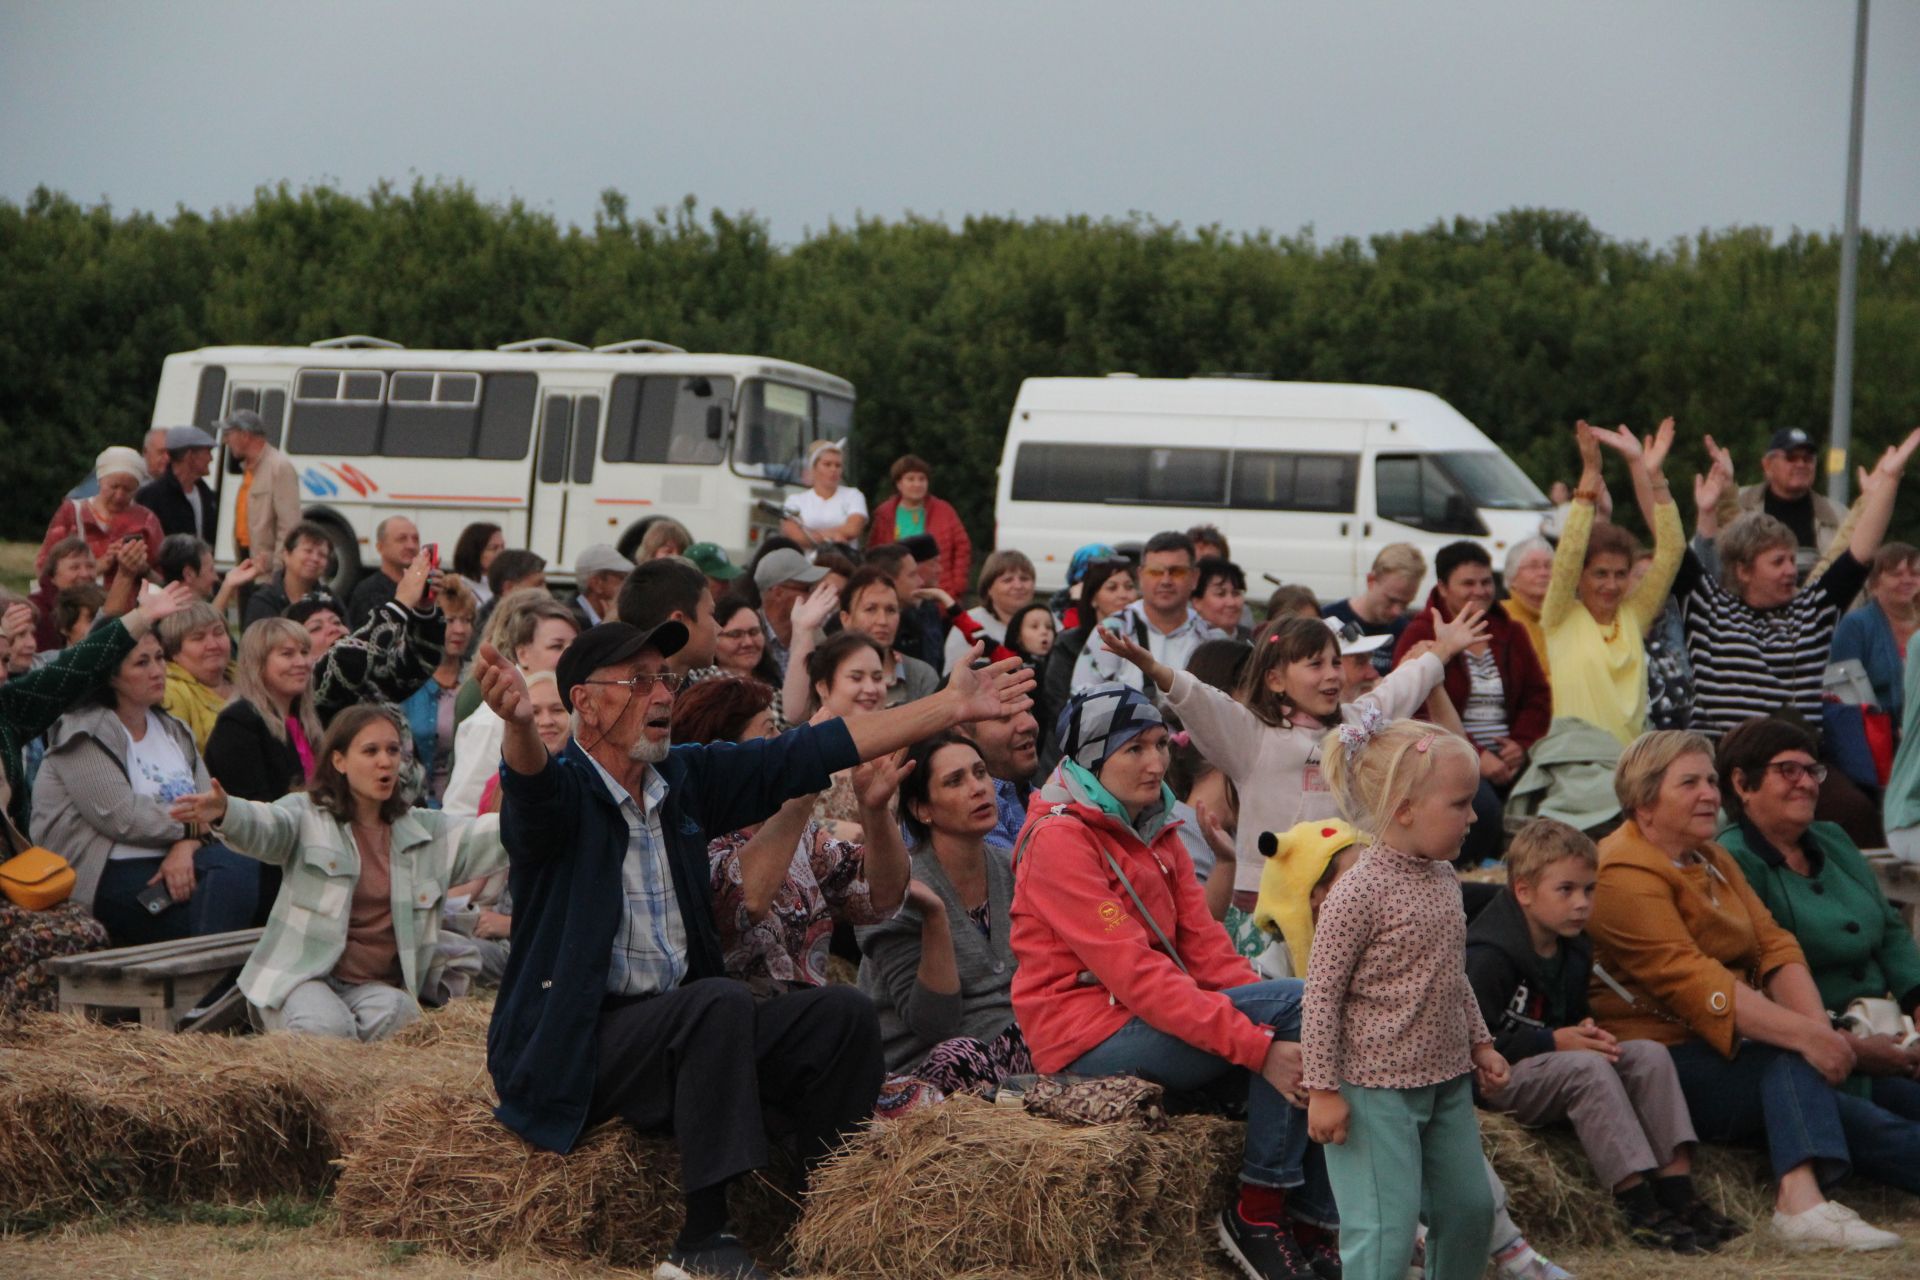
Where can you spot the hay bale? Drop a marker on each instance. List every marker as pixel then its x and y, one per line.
pixel 969 1188
pixel 91 1115
pixel 434 1167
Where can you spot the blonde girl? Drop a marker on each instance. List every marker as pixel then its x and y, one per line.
pixel 1266 735
pixel 1391 1029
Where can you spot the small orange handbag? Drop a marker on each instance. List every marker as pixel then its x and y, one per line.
pixel 34 878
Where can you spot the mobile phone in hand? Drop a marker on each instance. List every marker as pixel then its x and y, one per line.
pixel 155 898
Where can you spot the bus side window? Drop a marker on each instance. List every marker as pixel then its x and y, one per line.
pixel 667 418
pixel 337 412
pixel 506 416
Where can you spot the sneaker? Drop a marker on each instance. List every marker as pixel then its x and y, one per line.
pixel 718 1257
pixel 1323 1254
pixel 1261 1250
pixel 1831 1226
pixel 1650 1225
pixel 1518 1261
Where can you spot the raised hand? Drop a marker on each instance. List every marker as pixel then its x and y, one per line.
pixel 1709 489
pixel 876 781
pixel 501 685
pixel 1654 449
pixel 1453 637
pixel 1583 436
pixel 167 601
pixel 821 603
pixel 415 583
pixel 1124 647
pixel 1891 465
pixel 206 808
pixel 1003 689
pixel 1218 838
pixel 928 904
pixel 241 574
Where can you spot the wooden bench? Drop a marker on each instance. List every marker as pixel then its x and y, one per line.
pixel 1900 881
pixel 161 981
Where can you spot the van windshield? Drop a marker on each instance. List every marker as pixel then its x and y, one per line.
pixel 777 423
pixel 1492 479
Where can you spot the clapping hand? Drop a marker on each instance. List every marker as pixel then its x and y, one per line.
pixel 876 781
pixel 1711 487
pixel 1892 463
pixel 820 604
pixel 1583 438
pixel 1648 454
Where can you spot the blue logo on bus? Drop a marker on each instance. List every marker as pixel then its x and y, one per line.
pixel 318 485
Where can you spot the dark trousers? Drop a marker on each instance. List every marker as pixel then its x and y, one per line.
pixel 226 891
pixel 712 1065
pixel 1799 1115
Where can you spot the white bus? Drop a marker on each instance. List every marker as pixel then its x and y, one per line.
pixel 559 445
pixel 1308 480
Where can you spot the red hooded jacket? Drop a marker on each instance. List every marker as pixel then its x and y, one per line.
pixel 1528 695
pixel 944 527
pixel 1071 916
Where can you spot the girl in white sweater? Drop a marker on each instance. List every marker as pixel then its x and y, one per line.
pixel 1267 736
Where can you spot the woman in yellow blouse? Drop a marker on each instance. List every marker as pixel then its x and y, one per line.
pixel 1595 626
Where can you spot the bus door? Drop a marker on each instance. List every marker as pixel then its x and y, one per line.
pixel 561 523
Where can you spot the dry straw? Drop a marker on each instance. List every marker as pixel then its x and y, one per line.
pixel 970 1189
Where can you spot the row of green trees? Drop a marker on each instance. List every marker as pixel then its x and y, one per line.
pixel 1525 322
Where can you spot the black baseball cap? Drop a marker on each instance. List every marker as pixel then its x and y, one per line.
pixel 1790 439
pixel 610 644
pixel 921 547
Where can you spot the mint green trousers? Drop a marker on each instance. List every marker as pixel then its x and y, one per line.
pixel 1409 1150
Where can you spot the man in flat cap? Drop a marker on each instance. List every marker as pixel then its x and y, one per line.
pixel 180 496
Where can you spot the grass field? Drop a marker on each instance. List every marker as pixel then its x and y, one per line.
pixel 16 565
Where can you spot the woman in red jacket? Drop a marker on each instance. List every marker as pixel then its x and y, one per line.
pixel 1122 970
pixel 912 509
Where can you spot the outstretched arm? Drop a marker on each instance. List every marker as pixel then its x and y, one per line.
pixel 1877 490
pixel 505 690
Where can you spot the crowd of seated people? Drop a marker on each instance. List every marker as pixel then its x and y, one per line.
pixel 766 852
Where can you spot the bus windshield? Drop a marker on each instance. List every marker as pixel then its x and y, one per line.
pixel 779 421
pixel 1492 479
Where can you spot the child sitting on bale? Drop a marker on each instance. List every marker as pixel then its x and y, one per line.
pixel 1529 960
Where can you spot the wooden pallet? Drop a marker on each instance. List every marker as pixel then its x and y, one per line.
pixel 161 981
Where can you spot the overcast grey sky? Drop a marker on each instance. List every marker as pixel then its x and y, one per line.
pixel 1655 118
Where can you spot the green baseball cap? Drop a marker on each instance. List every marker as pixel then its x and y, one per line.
pixel 711 559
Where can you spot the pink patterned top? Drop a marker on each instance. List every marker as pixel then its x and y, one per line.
pixel 1388 1005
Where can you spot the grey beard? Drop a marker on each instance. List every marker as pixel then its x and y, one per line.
pixel 646 751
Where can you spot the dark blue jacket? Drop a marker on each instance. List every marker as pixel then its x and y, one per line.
pixel 565 840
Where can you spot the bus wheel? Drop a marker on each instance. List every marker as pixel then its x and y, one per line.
pixel 343 561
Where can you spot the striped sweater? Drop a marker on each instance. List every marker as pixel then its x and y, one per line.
pixel 1750 662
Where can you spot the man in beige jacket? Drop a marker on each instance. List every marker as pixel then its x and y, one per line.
pixel 269 502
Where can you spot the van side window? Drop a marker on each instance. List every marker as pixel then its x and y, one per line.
pixel 1140 474
pixel 337 412
pixel 1271 481
pixel 667 418
pixel 1412 489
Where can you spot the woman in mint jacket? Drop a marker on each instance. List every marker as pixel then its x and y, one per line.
pixel 351 938
pixel 1818 886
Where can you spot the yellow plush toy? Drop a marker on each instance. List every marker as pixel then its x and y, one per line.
pixel 1296 859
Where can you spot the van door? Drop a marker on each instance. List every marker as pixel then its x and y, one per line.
pixel 1293 512
pixel 1413 499
pixel 562 520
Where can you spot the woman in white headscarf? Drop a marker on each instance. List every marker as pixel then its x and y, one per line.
pixel 109 517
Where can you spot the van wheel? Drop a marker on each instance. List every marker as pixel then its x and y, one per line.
pixel 343 561
pixel 629 544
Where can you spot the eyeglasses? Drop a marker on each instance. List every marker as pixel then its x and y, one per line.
pixel 742 633
pixel 643 683
pixel 1155 572
pixel 1793 771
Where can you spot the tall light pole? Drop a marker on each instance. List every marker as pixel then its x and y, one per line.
pixel 1841 431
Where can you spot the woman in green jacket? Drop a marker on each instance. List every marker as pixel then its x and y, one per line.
pixel 1819 887
pixel 349 945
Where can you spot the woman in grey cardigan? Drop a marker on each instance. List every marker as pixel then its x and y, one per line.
pixel 941 971
pixel 113 768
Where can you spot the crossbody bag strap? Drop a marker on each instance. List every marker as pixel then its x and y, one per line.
pixel 1145 914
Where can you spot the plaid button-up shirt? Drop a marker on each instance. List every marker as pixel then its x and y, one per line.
pixel 650 947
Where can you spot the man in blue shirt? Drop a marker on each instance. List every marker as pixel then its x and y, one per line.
pixel 615 1002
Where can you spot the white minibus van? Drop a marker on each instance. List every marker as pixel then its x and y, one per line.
pixel 1308 480
pixel 559 445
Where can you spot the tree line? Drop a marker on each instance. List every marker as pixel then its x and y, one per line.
pixel 1524 321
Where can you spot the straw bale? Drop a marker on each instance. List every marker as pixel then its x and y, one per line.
pixel 434 1167
pixel 969 1188
pixel 91 1114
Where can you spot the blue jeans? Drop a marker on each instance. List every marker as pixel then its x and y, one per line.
pixel 1277 1153
pixel 226 889
pixel 1800 1116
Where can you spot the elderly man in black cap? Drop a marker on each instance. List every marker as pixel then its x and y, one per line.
pixel 1790 467
pixel 614 1004
pixel 179 496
